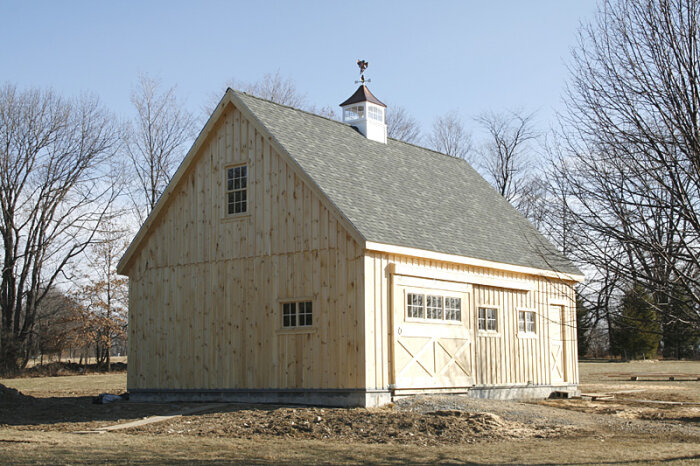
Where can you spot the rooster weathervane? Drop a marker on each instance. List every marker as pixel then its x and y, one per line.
pixel 363 66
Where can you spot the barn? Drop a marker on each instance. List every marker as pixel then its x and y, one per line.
pixel 294 258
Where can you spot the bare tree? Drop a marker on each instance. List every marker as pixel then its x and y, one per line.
pixel 505 156
pixel 277 89
pixel 155 141
pixel 449 136
pixel 632 163
pixel 52 199
pixel 103 294
pixel 401 125
pixel 326 111
pixel 272 87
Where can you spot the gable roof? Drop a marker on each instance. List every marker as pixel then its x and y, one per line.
pixel 401 194
pixel 396 193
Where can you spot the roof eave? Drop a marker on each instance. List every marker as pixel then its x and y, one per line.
pixel 464 260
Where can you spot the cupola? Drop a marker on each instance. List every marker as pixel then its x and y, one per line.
pixel 364 111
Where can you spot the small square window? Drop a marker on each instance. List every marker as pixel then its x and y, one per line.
pixel 487 319
pixel 526 322
pixel 297 314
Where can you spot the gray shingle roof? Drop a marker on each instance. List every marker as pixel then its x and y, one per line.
pixel 405 195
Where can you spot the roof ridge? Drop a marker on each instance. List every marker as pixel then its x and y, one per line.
pixel 345 124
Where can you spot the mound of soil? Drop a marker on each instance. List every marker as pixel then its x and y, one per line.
pixel 361 425
pixel 56 369
pixel 8 394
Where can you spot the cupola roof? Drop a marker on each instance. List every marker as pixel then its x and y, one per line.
pixel 362 94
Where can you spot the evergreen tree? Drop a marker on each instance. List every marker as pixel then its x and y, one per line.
pixel 583 323
pixel 680 340
pixel 636 329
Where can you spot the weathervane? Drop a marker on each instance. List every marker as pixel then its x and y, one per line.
pixel 363 66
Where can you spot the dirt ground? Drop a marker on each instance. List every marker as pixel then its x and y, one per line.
pixel 644 421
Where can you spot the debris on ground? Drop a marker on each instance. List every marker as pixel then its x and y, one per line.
pixel 104 398
pixel 360 425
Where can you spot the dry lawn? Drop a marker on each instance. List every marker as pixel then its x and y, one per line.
pixel 629 428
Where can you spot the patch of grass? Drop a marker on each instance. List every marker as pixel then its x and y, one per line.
pixel 69 385
pixel 62 448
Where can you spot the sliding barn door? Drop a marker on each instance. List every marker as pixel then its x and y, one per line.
pixel 432 340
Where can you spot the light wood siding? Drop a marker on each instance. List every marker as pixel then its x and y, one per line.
pixel 205 289
pixel 501 359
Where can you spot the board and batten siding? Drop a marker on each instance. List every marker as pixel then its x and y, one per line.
pixel 205 289
pixel 504 358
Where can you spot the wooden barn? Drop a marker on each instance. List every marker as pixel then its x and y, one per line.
pixel 294 258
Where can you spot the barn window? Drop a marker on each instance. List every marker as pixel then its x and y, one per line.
pixel 488 319
pixel 237 190
pixel 297 314
pixel 433 307
pixel 526 322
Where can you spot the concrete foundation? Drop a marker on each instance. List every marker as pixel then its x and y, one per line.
pixel 503 392
pixel 524 392
pixel 318 397
pixel 346 398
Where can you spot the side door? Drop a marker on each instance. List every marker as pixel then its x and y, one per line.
pixel 557 349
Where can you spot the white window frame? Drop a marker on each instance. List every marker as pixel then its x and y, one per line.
pixel 486 330
pixel 524 313
pixel 354 112
pixel 297 314
pixel 375 112
pixel 442 294
pixel 246 190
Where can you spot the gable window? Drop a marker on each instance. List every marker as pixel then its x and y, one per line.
pixel 236 190
pixel 526 322
pixel 488 319
pixel 433 307
pixel 297 314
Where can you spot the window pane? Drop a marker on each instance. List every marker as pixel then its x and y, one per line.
pixel 491 320
pixel 453 309
pixel 414 304
pixel 288 315
pixel 434 307
pixel 521 321
pixel 305 313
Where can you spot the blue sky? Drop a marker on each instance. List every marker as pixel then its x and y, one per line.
pixel 429 57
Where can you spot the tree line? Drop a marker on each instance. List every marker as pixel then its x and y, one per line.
pixel 615 185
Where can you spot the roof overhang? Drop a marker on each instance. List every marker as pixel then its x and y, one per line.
pixel 455 259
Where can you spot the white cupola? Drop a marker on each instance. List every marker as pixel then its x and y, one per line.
pixel 365 112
